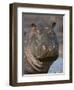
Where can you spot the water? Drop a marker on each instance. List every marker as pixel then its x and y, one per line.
pixel 57 66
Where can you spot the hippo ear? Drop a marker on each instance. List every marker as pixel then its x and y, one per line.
pixel 53 24
pixel 33 25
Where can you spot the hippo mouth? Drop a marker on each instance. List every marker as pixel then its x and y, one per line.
pixel 44 59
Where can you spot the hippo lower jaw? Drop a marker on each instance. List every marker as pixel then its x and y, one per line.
pixel 44 64
pixel 48 58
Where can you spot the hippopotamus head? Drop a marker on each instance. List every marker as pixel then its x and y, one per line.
pixel 44 42
pixel 42 46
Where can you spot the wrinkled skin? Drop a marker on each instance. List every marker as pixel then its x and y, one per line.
pixel 41 50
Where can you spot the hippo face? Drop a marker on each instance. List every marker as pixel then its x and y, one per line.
pixel 44 42
pixel 42 48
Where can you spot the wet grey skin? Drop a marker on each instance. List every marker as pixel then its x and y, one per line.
pixel 41 50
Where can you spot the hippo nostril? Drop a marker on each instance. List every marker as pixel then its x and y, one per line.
pixel 50 48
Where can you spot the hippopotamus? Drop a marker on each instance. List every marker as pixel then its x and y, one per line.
pixel 41 49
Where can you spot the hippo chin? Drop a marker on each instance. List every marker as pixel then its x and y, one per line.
pixel 41 50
